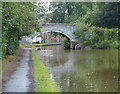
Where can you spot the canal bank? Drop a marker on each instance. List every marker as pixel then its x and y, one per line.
pixel 43 83
pixel 46 44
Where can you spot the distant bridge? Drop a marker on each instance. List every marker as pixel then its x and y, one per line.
pixel 62 28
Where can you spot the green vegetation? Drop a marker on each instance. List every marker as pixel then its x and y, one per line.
pixel 46 44
pixel 43 83
pixel 18 19
pixel 97 22
pixel 100 14
pixel 7 60
pixel 22 46
pixel 66 43
pixel 96 37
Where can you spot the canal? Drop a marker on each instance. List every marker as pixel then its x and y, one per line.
pixel 82 70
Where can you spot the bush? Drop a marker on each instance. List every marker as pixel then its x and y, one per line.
pixel 66 43
pixel 103 44
pixel 82 32
pixel 115 44
pixel 96 37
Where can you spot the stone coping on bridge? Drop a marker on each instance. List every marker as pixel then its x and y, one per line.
pixel 59 24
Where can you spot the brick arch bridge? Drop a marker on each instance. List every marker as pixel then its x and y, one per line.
pixel 62 28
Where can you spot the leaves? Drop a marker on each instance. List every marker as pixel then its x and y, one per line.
pixel 96 37
pixel 18 19
pixel 101 14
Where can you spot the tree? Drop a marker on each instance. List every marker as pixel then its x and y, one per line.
pixel 68 12
pixel 105 15
pixel 18 19
pixel 101 14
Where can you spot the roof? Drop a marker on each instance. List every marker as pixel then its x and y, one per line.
pixel 42 23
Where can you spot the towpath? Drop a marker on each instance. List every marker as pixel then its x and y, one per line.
pixel 19 81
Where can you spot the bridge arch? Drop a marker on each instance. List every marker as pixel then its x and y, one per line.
pixel 62 28
pixel 60 32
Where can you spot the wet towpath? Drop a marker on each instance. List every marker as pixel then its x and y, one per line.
pixel 19 81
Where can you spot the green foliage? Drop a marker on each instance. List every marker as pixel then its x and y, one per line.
pixel 46 44
pixel 100 14
pixel 82 32
pixel 67 12
pixel 22 46
pixel 66 43
pixel 96 37
pixel 115 44
pixel 104 44
pixel 54 34
pixel 105 15
pixel 18 19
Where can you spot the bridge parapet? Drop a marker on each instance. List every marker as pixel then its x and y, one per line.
pixel 63 28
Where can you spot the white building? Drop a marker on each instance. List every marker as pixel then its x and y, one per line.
pixel 36 38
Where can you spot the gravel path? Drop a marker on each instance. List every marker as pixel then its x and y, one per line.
pixel 19 81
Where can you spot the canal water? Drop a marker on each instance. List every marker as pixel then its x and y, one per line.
pixel 82 70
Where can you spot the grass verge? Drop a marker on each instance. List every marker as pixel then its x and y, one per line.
pixel 43 83
pixel 22 46
pixel 46 44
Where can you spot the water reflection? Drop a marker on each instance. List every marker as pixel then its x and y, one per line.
pixel 83 70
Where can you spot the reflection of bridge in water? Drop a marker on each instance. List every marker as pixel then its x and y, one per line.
pixel 62 28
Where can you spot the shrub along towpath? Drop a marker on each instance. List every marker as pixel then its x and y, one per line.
pixel 19 80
